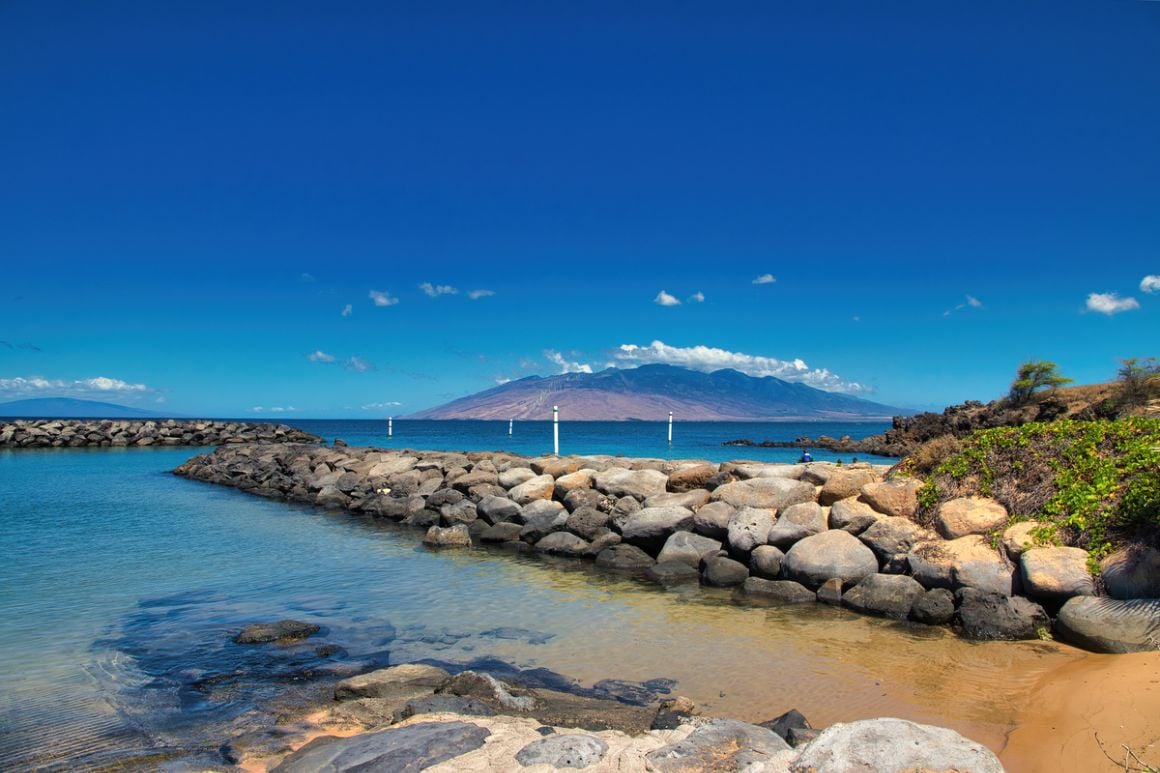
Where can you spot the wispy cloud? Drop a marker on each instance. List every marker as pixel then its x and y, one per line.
pixel 382 298
pixel 305 278
pixel 1110 303
pixel 765 279
pixel 697 297
pixel 971 302
pixel 358 365
pixel 708 359
pixel 475 295
pixel 1150 284
pixel 664 299
pixel 320 356
pixel 565 365
pixel 434 291
pixel 274 409
pixel 36 386
pixel 380 406
pixel 26 347
pixel 347 310
pixel 501 380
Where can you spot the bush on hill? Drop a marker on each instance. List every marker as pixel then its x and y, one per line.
pixel 1089 484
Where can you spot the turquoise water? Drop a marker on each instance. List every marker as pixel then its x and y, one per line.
pixel 691 440
pixel 121 586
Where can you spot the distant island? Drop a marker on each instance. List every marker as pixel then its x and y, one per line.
pixel 72 408
pixel 649 392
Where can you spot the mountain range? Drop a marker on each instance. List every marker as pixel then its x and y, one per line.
pixel 649 392
pixel 72 408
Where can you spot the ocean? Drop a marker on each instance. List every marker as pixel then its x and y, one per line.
pixel 122 585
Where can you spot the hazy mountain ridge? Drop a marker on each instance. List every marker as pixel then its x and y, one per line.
pixel 651 391
pixel 73 408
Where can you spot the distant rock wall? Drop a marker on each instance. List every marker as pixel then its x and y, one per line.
pixel 110 433
pixel 776 533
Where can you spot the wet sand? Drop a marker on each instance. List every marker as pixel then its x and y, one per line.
pixel 1080 716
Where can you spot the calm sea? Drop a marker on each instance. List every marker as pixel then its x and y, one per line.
pixel 122 584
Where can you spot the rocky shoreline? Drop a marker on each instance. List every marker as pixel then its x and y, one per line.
pixel 778 534
pixel 123 433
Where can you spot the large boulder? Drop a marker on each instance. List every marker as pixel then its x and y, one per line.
pixel 969 515
pixel 893 746
pixel 390 683
pixel 892 538
pixel 650 527
pixel 573 481
pixel 724 572
pixel 282 631
pixel 1102 624
pixel 562 543
pixel 539 487
pixel 935 607
pixel 688 548
pixel 624 558
pixel 566 750
pixel 767 493
pixel 765 561
pixel 638 484
pixel 514 476
pixel 748 528
pixel 748 470
pixel 797 522
pixel 996 616
pixel 539 526
pixel 495 509
pixel 691 499
pixel 843 483
pixel 456 536
pixel 897 497
pixel 852 515
pixel 1132 573
pixel 781 591
pixel 889 595
pixel 719 744
pixel 712 520
pixel 831 554
pixel 964 562
pixel 690 478
pixel 588 522
pixel 410 748
pixel 1056 574
pixel 1019 537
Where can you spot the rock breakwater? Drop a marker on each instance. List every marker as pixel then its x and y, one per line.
pixel 776 533
pixel 109 433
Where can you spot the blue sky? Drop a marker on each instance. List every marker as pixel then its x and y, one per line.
pixel 200 202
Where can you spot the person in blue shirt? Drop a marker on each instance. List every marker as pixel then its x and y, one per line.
pixel 806 456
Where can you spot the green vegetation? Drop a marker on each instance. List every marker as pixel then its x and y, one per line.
pixel 1090 484
pixel 1033 376
pixel 1139 380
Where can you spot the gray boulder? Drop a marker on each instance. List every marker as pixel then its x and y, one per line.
pixel 624 558
pixel 571 750
pixel 897 497
pixel 497 509
pixel 460 512
pixel 782 591
pixel 797 522
pixel 719 744
pixel 1055 574
pixel 892 538
pixel 638 484
pixel 562 543
pixel 831 554
pixel 573 481
pixel 1132 573
pixel 539 526
pixel 672 573
pixel 749 527
pixel 501 532
pixel 650 527
pixel 539 487
pixel 456 536
pixel 889 595
pixel 514 476
pixel 687 548
pixel 843 483
pixel 995 616
pixel 393 682
pixel 765 562
pixel 724 572
pixel 281 631
pixel 398 749
pixel 852 516
pixel 1102 624
pixel 935 607
pixel 964 562
pixel 712 520
pixel 691 499
pixel 893 746
pixel 588 522
pixel 767 493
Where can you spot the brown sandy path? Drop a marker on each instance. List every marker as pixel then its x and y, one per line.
pixel 1113 697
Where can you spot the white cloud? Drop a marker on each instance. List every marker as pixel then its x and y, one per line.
pixel 257 409
pixel 434 291
pixel 320 356
pixel 765 279
pixel 1150 284
pixel 565 366
pixel 708 359
pixel 358 365
pixel 501 380
pixel 974 302
pixel 1110 303
pixel 970 302
pixel 475 295
pixel 697 297
pixel 856 318
pixel 379 406
pixel 664 299
pixel 274 409
pixel 382 298
pixel 347 310
pixel 97 386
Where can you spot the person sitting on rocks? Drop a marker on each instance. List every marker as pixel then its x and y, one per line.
pixel 806 458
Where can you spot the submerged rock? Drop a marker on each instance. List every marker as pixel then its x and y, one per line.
pixel 281 631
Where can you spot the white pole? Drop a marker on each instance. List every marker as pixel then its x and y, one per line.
pixel 390 426
pixel 556 430
pixel 510 423
pixel 670 428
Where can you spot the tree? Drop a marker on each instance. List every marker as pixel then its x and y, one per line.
pixel 1033 376
pixel 1138 379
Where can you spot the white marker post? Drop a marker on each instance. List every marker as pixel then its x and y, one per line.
pixel 390 426
pixel 556 430
pixel 510 423
pixel 670 428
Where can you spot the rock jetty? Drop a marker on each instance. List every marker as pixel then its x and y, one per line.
pixel 109 433
pixel 776 533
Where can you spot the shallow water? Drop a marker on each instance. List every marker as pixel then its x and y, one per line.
pixel 122 585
